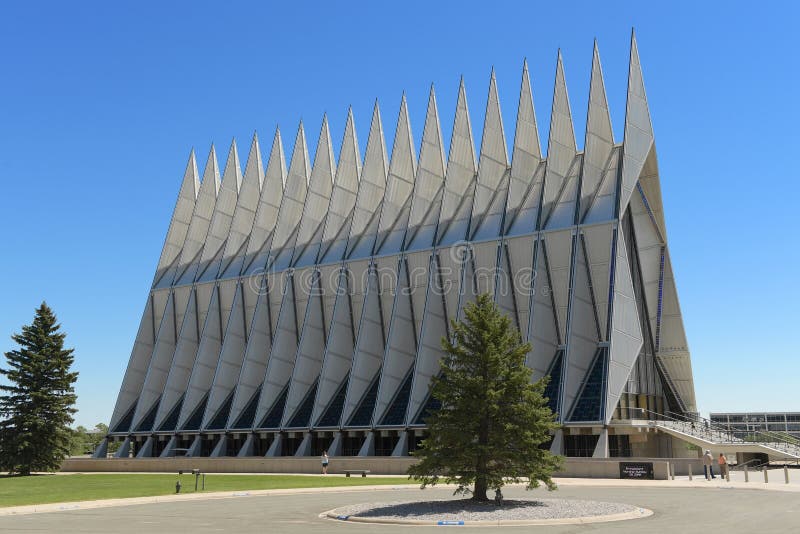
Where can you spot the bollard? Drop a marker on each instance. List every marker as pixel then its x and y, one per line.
pixel 177 486
pixel 766 475
pixel 746 474
pixel 786 473
pixel 690 471
pixel 671 469
pixel 204 481
pixel 727 473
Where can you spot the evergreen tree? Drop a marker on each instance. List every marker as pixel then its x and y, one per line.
pixel 36 407
pixel 493 420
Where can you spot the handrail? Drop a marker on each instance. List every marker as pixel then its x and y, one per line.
pixel 742 466
pixel 723 434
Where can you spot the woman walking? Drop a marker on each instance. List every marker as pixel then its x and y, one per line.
pixel 723 466
pixel 325 460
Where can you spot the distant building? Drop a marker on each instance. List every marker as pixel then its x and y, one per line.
pixel 302 308
pixel 744 424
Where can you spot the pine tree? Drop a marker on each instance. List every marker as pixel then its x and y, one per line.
pixel 493 420
pixel 36 407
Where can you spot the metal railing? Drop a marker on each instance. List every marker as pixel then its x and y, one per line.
pixel 703 428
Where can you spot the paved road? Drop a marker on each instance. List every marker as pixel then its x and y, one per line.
pixel 679 510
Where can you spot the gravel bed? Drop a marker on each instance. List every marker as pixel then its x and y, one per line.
pixel 467 510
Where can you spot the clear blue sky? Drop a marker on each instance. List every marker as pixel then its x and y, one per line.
pixel 100 105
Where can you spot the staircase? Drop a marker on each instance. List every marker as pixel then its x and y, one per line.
pixel 706 435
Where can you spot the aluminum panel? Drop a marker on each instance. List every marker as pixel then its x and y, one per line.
pixel 198 227
pixel 428 186
pixel 221 219
pixel 371 188
pixel 208 352
pixel 543 329
pixel 368 354
pixel 673 349
pixel 310 351
pixel 291 211
pixel 526 153
pixel 491 188
pixel 182 359
pixel 338 355
pixel 284 348
pixel 638 129
pixel 229 363
pixel 626 331
pixel 459 178
pixel 142 351
pixel 269 202
pixel 163 352
pixel 561 147
pixel 343 198
pixel 525 220
pixel 599 142
pixel 598 241
pixel 566 203
pixel 179 223
pixel 604 205
pixel 244 214
pixel 396 207
pixel 649 250
pixel 317 201
pixel 584 330
pixel 559 259
pixel 517 262
pixel 429 353
pixel 259 343
pixel 401 345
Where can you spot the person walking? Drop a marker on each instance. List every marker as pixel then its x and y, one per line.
pixel 723 466
pixel 325 461
pixel 708 465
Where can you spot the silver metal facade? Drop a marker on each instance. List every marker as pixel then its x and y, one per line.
pixel 309 301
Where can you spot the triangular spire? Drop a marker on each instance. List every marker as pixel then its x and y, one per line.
pixel 400 184
pixel 370 191
pixel 233 169
pixel 561 147
pixel 254 169
pixel 526 153
pixel 220 225
pixel 487 212
pixel 294 196
pixel 181 218
pixel 246 205
pixel 211 171
pixel 428 186
pixel 638 128
pixel 269 203
pixel 317 200
pixel 343 198
pixel 201 218
pixel 459 178
pixel 597 188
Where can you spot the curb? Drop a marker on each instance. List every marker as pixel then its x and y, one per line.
pixel 134 501
pixel 639 513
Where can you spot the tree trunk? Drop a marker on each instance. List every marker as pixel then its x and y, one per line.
pixel 479 494
pixel 481 484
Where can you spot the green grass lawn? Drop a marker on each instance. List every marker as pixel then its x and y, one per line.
pixel 18 491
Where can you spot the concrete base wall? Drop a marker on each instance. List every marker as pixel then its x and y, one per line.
pixel 383 465
pixel 377 465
